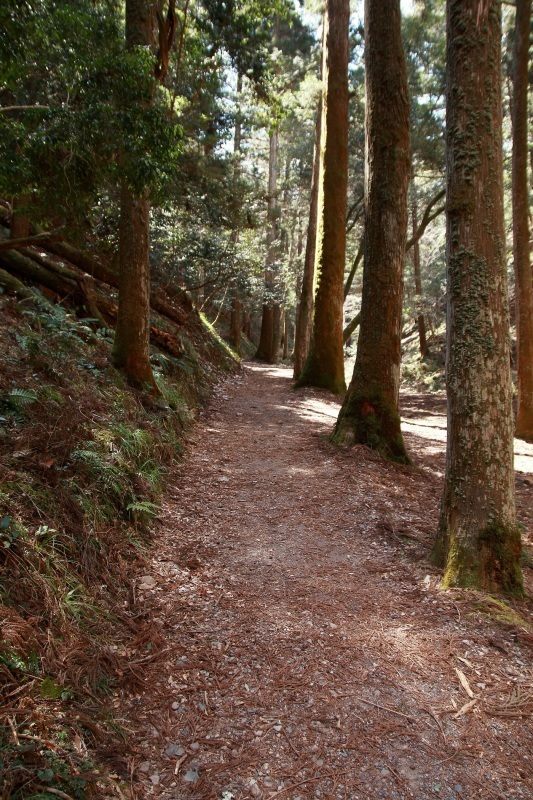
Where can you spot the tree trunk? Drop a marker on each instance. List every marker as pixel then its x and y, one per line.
pixel 419 300
pixel 522 265
pixel 236 306
pixel 286 334
pixel 370 413
pixel 246 323
pixel 304 319
pixel 265 351
pixel 131 346
pixel 478 541
pixel 20 222
pixel 132 334
pixel 236 324
pixel 324 366
pixel 277 333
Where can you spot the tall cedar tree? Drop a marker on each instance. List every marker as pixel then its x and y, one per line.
pixel 369 414
pixel 522 264
pixel 478 540
pixel 304 318
pixel 325 362
pixel 131 346
pixel 420 319
pixel 265 350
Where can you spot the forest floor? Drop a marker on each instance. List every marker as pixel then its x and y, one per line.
pixel 306 649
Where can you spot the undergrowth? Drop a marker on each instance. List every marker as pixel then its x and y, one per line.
pixel 83 462
pixel 424 374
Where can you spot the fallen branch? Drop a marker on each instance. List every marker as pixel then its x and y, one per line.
pixel 25 241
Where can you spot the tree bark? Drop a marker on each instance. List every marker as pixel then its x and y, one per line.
pixel 20 222
pixel 522 264
pixel 419 299
pixel 236 324
pixel 478 541
pixel 277 333
pixel 304 319
pixel 265 350
pixel 131 347
pixel 370 413
pixel 236 305
pixel 324 366
pixel 286 334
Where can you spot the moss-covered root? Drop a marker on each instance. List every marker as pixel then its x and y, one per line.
pixel 369 420
pixel 489 561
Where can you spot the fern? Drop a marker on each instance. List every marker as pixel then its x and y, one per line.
pixel 143 507
pixel 21 397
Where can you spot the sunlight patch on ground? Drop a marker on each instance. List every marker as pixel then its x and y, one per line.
pixel 311 408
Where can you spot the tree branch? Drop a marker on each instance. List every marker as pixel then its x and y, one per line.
pixel 426 219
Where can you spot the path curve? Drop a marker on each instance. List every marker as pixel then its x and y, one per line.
pixel 304 648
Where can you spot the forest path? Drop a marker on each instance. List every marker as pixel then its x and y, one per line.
pixel 305 649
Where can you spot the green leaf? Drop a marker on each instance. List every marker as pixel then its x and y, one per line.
pixel 5 522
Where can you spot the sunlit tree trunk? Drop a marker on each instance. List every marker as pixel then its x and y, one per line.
pixel 478 541
pixel 522 263
pixel 324 366
pixel 304 319
pixel 370 414
pixel 131 346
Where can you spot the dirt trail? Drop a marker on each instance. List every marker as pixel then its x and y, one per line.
pixel 306 651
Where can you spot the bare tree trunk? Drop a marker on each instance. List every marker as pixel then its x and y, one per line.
pixel 286 334
pixel 324 366
pixel 236 323
pixel 478 541
pixel 522 264
pixel 236 306
pixel 132 334
pixel 131 346
pixel 246 323
pixel 20 222
pixel 370 413
pixel 419 299
pixel 265 351
pixel 277 333
pixel 304 319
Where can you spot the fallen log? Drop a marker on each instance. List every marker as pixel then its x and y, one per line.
pixel 96 269
pixel 79 289
pixel 15 286
pixel 25 241
pixel 28 269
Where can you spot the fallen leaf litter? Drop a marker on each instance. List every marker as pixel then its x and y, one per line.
pixel 305 649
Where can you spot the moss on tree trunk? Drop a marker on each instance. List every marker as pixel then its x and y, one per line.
pixel 324 366
pixel 369 414
pixel 478 542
